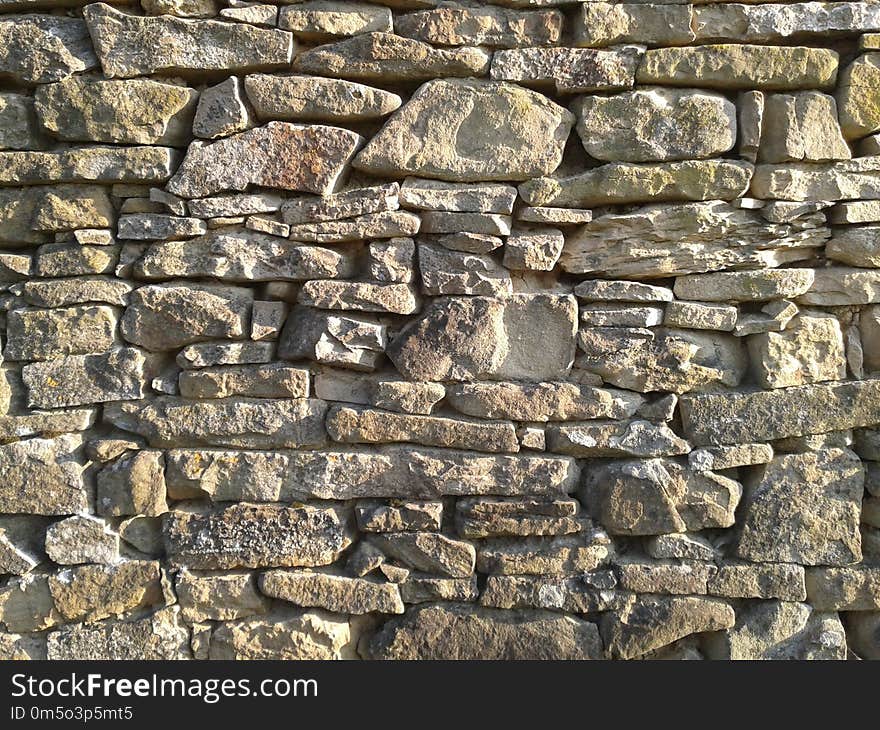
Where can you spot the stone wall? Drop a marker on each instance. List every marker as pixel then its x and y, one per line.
pixel 409 329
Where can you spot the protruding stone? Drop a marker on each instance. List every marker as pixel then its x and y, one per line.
pixel 526 135
pixel 40 49
pixel 262 156
pixel 332 592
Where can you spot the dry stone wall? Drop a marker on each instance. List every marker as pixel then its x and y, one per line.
pixel 411 329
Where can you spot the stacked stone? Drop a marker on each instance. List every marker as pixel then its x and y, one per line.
pixel 417 329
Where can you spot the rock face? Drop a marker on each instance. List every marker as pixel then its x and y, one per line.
pixel 463 339
pixel 322 154
pixel 804 508
pixel 664 125
pixel 439 329
pixel 530 129
pixel 128 45
pixel 461 632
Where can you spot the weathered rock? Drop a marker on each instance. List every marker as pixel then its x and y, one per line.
pixel 729 457
pixel 39 49
pixel 315 99
pixel 809 350
pixel 605 24
pixel 804 508
pixel 262 156
pixel 744 417
pixel 656 496
pixel 347 204
pixel 844 589
pixel 256 536
pixel 385 224
pixel 845 180
pixel 767 580
pixel 388 57
pixel 429 552
pixel 332 592
pixel 240 256
pixel 355 341
pixel 207 354
pixel 529 337
pixel 359 296
pixel 406 397
pixel 366 425
pixel 780 630
pixel 650 622
pixel 221 110
pixel 419 588
pixel 553 401
pixel 438 195
pixel 855 245
pixel 661 359
pixel 318 20
pixel 584 593
pixel 136 111
pixel 20 130
pixel 246 422
pixel 455 25
pixel 299 635
pixel 81 379
pixel 619 183
pixel 168 316
pixel 390 472
pixel 219 597
pixel 682 546
pixel 464 632
pixel 664 125
pixel 94 592
pixel 615 438
pixel 139 165
pixel 483 517
pixel 132 485
pixel 274 380
pixel 843 286
pixel 392 261
pixel 534 249
pixel 159 636
pixel 729 66
pixel 700 316
pixel 857 96
pixel 453 272
pixel 524 139
pixel 409 516
pixel 801 126
pixel 663 577
pixel 43 334
pixel 745 286
pixel 82 539
pixel 129 45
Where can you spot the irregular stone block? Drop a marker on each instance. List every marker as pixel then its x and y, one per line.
pixel 318 20
pixel 568 70
pixel 651 622
pixel 332 592
pixel 483 517
pixel 664 124
pixel 130 45
pixel 804 508
pixel 615 438
pixel 457 197
pixel 274 380
pixel 394 472
pixel 262 156
pixel 619 183
pixel 656 496
pixel 82 379
pixel 387 57
pixel 247 422
pixel 364 425
pixel 132 485
pixel 359 296
pixel 44 334
pixel 82 539
pixel 40 49
pixel 136 111
pixel 732 66
pixel 553 401
pixel 168 316
pixel 745 286
pixel 766 580
pixel 160 636
pixel 219 597
pixel 315 99
pixel 256 536
pixel 801 126
pixel 855 588
pixel 19 129
pixel 465 632
pixel 354 341
pixel 221 110
pixel 385 224
pixel 491 26
pixel 843 286
pixel 857 96
pixel 528 337
pixel 409 516
pixel 525 137
pixel 454 272
pixel 137 165
pixel 348 204
pixel 744 417
pixel 845 180
pixel 241 256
